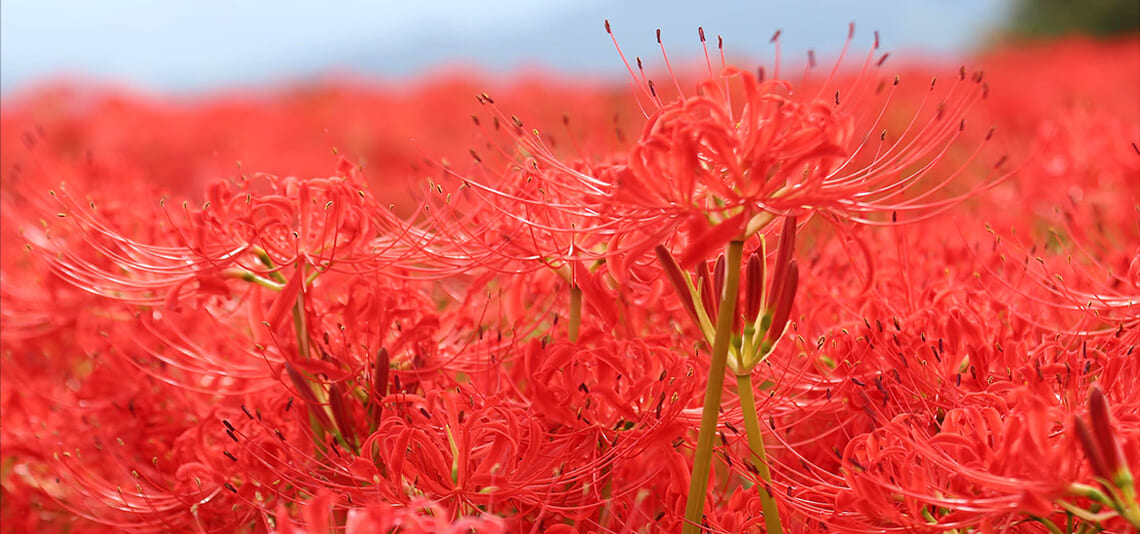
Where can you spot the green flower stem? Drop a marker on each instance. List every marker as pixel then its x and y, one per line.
pixel 302 332
pixel 263 256
pixel 759 456
pixel 303 347
pixel 702 459
pixel 1049 525
pixel 1129 508
pixel 248 276
pixel 299 323
pixel 575 312
pixel 1121 500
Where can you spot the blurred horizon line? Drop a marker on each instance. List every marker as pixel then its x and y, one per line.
pixel 179 50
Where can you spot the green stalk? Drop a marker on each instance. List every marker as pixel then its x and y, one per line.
pixel 1049 525
pixel 263 256
pixel 299 324
pixel 303 348
pixel 759 456
pixel 302 331
pixel 702 459
pixel 248 276
pixel 1129 508
pixel 575 312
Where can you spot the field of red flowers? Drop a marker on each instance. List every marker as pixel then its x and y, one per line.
pixel 878 297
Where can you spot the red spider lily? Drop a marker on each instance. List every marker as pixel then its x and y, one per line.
pixel 249 231
pixel 725 169
pixel 464 450
pixel 296 357
pixel 418 517
pixel 994 467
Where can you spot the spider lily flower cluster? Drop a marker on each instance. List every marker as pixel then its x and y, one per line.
pixel 923 338
pixel 724 161
pixel 765 314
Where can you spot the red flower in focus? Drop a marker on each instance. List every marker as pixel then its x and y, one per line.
pixel 741 151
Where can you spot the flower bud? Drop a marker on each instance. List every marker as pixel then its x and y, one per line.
pixel 1110 451
pixel 782 308
pixel 753 286
pixel 677 278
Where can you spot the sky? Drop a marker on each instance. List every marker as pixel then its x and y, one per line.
pixel 209 45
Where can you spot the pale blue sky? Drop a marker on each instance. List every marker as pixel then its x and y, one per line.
pixel 192 46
